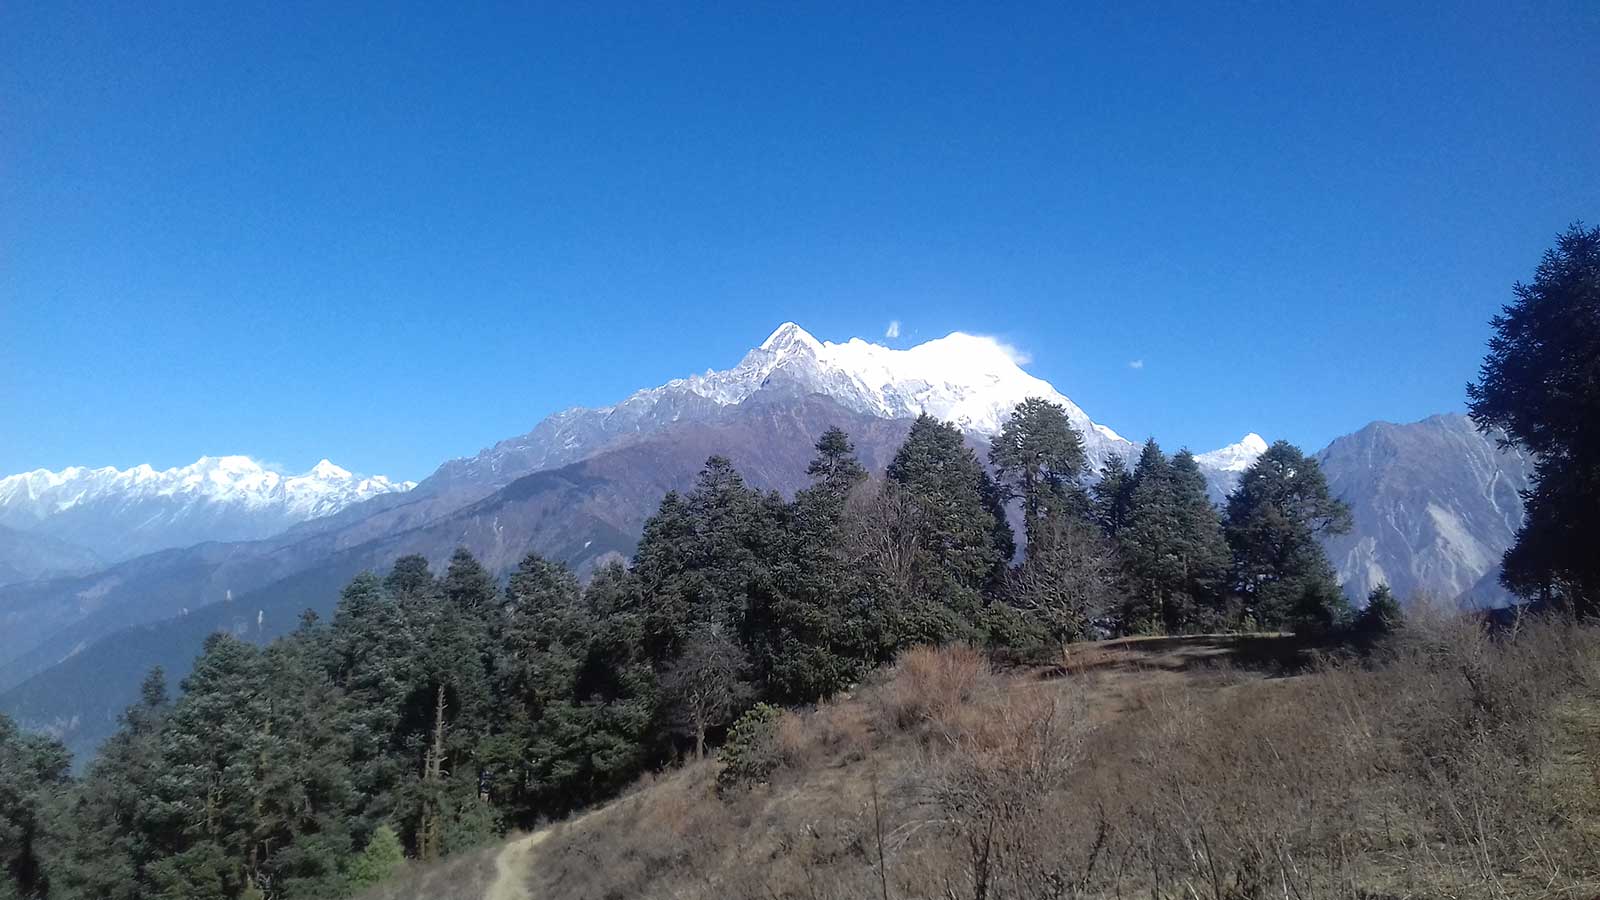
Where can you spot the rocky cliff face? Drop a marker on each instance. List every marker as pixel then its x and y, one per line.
pixel 1435 505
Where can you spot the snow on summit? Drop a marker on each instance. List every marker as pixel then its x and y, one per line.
pixel 972 380
pixel 122 512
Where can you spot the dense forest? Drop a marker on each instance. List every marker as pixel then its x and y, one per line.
pixel 437 710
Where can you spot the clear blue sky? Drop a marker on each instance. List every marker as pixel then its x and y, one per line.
pixel 396 235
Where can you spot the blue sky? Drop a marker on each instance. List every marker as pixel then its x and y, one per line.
pixel 397 234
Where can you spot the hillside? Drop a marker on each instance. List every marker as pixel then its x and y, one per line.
pixel 1192 767
pixel 581 515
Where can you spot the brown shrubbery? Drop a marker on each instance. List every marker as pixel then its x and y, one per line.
pixel 1452 763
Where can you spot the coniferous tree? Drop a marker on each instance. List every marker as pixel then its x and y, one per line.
pixel 208 792
pixel 1540 386
pixel 1067 572
pixel 1150 547
pixel 1202 546
pixel 448 709
pixel 33 776
pixel 816 640
pixel 1037 457
pixel 544 642
pixel 114 834
pixel 1111 498
pixel 372 655
pixel 382 855
pixel 709 558
pixel 1281 507
pixel 618 683
pixel 965 541
pixel 299 754
pixel 1382 614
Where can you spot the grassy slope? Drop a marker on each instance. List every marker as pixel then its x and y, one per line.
pixel 1204 767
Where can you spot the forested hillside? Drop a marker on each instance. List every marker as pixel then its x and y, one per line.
pixel 433 711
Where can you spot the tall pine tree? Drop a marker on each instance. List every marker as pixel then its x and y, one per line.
pixel 1281 507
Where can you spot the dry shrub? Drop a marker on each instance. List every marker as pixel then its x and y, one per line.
pixel 996 783
pixel 1451 763
pixel 933 684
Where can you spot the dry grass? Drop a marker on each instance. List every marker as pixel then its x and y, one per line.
pixel 463 877
pixel 1208 767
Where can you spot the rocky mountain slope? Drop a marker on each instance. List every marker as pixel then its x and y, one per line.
pixel 1435 505
pixel 29 557
pixel 118 514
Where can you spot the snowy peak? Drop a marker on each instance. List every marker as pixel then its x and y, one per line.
pixel 788 337
pixel 123 512
pixel 972 380
pixel 1235 457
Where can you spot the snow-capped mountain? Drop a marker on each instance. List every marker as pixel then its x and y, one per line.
pixel 1235 457
pixel 121 513
pixel 971 380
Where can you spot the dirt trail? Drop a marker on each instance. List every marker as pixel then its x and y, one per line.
pixel 511 870
pixel 511 865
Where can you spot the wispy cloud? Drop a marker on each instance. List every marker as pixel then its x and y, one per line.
pixel 893 331
pixel 1135 363
pixel 1018 355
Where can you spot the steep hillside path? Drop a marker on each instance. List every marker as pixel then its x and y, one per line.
pixel 511 865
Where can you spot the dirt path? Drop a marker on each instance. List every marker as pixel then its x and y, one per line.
pixel 511 866
pixel 511 870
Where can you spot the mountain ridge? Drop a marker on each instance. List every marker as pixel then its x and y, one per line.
pixel 119 514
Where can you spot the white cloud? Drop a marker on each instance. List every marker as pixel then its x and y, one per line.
pixel 893 331
pixel 1135 363
pixel 1018 355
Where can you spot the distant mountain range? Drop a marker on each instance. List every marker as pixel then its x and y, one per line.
pixel 579 486
pixel 118 514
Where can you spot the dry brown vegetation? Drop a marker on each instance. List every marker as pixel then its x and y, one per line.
pixel 466 876
pixel 1451 764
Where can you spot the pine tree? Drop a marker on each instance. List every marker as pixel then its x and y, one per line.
pixel 299 753
pixel 114 835
pixel 447 710
pixel 1151 547
pixel 33 777
pixel 533 760
pixel 1382 615
pixel 372 654
pixel 1539 385
pixel 1281 507
pixel 816 641
pixel 964 541
pixel 209 793
pixel 1112 498
pixel 709 558
pixel 618 684
pixel 1038 457
pixel 835 470
pixel 1203 547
